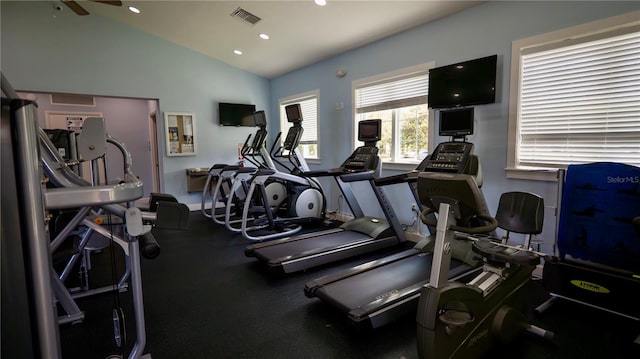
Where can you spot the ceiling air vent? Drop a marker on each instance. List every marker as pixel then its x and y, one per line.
pixel 245 15
pixel 69 99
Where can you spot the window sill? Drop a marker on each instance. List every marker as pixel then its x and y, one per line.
pixel 532 173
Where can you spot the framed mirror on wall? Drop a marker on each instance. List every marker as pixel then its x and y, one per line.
pixel 179 133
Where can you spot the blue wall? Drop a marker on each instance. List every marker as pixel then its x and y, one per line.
pixel 94 55
pixel 483 30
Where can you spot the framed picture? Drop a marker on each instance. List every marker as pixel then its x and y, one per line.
pixel 179 132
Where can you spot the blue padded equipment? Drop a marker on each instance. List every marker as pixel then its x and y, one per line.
pixel 599 203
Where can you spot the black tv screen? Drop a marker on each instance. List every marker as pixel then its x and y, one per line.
pixel 457 122
pixel 466 83
pixel 232 114
pixel 369 130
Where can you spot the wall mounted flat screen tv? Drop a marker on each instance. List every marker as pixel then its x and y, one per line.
pixel 232 114
pixel 457 122
pixel 466 83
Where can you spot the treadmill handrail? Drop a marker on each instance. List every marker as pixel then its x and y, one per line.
pixel 407 177
pixel 357 176
pixel 334 172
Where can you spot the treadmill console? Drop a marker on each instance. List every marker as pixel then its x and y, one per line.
pixel 364 158
pixel 449 157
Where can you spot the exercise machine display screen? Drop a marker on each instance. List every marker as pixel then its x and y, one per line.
pixel 293 137
pixel 294 113
pixel 449 157
pixel 457 122
pixel 260 119
pixel 369 130
pixel 364 158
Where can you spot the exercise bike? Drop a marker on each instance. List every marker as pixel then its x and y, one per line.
pixel 464 320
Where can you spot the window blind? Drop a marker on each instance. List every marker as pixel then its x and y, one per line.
pixel 581 103
pixel 396 93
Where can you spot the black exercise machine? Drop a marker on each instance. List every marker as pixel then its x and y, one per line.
pixel 380 291
pixel 278 216
pixel 360 235
pixel 460 319
pixel 230 179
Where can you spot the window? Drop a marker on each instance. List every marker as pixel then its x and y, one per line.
pixel 399 99
pixel 578 98
pixel 309 105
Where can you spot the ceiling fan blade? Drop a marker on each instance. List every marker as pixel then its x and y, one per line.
pixel 108 2
pixel 75 7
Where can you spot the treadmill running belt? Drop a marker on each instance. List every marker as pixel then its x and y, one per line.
pixel 381 286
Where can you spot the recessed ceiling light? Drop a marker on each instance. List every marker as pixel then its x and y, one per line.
pixel 134 9
pixel 237 52
pixel 264 36
pixel 320 2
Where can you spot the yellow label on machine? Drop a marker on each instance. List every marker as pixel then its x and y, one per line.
pixel 590 286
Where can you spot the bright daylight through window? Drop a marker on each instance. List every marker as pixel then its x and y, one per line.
pixel 400 101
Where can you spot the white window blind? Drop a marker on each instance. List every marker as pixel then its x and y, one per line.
pixel 581 103
pixel 395 93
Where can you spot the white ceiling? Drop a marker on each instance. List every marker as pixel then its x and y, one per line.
pixel 301 33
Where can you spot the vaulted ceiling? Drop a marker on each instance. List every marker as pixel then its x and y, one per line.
pixel 300 32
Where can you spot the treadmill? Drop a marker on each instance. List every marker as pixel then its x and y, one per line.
pixel 376 293
pixel 361 235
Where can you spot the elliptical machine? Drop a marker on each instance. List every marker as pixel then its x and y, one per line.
pixel 464 320
pixel 305 201
pixel 232 180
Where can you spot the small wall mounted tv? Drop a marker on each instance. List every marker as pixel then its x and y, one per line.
pixel 456 122
pixel 466 83
pixel 232 114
